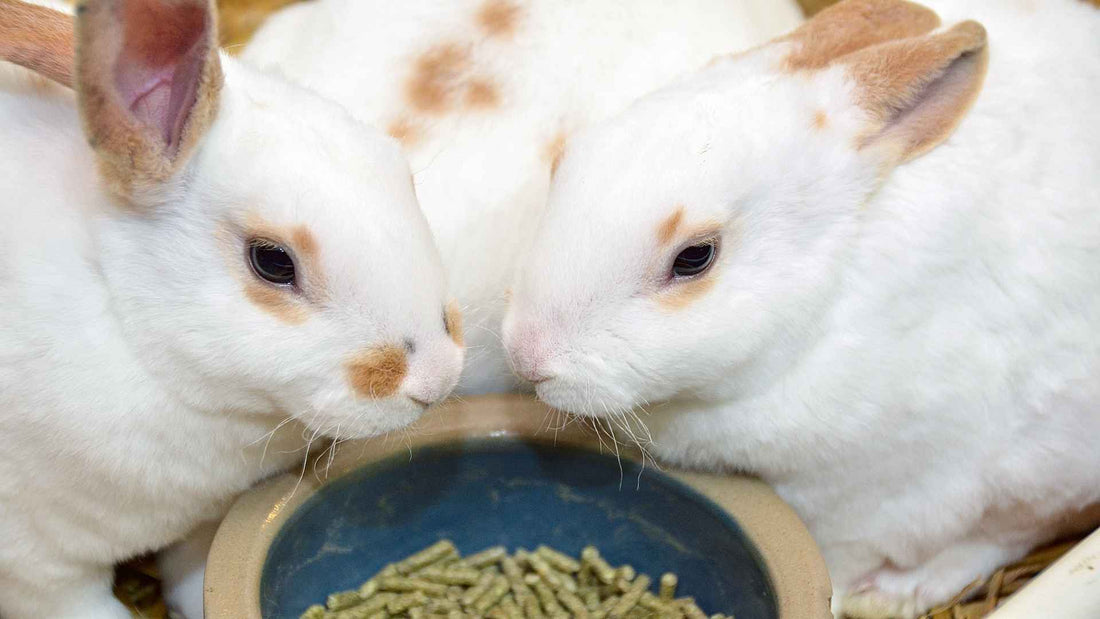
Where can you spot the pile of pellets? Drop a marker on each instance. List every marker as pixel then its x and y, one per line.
pixel 438 583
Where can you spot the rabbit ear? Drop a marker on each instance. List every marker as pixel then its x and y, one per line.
pixel 148 79
pixel 37 38
pixel 917 85
pixel 918 90
pixel 851 25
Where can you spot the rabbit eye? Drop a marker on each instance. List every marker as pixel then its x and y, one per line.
pixel 694 260
pixel 271 262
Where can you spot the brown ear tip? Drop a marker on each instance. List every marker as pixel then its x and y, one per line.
pixel 973 31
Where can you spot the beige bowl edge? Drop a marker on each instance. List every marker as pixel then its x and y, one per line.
pixel 232 583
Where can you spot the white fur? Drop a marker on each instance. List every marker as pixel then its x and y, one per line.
pixel 482 175
pixel 910 358
pixel 139 389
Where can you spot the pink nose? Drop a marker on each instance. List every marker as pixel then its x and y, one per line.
pixel 529 352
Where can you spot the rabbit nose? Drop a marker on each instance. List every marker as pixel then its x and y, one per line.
pixel 529 352
pixel 434 371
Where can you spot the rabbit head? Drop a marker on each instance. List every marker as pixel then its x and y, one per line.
pixel 701 231
pixel 263 252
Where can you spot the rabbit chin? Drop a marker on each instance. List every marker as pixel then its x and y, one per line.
pixel 584 397
pixel 364 419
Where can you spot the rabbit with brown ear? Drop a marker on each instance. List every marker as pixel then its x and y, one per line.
pixel 862 262
pixel 203 269
pixel 483 94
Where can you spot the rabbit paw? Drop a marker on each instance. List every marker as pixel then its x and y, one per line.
pixel 897 593
pixel 875 604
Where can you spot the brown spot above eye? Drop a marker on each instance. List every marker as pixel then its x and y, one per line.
pixel 481 93
pixel 404 130
pixel 498 17
pixel 304 242
pixel 554 150
pixel 452 318
pixel 667 230
pixel 821 120
pixel 435 76
pixel 377 372
pixel 686 293
pixel 276 302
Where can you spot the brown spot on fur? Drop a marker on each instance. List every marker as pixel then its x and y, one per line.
pixel 920 89
pixel 498 18
pixel 114 46
pixel 37 38
pixel 554 150
pixel 277 302
pixel 481 93
pixel 377 372
pixel 821 120
pixel 667 230
pixel 304 242
pixel 404 130
pixel 684 294
pixel 452 319
pixel 853 25
pixel 435 78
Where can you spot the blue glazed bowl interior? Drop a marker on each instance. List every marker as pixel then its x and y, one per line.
pixel 517 494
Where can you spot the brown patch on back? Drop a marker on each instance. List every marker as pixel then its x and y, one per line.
pixel 668 228
pixel 435 78
pixel 39 39
pixel 277 302
pixel 821 120
pixel 404 130
pixel 452 320
pixel 377 372
pixel 481 93
pixel 554 150
pixel 686 293
pixel 853 25
pixel 498 18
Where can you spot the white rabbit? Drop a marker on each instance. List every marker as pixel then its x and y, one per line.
pixel 483 93
pixel 235 266
pixel 841 262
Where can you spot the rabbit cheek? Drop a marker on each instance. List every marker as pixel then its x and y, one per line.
pixel 276 303
pixel 378 372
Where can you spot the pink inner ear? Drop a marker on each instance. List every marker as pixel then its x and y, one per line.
pixel 159 67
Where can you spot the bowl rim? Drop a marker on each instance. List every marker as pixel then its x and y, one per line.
pixel 235 564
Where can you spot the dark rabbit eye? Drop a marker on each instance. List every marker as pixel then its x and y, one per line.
pixel 694 260
pixel 271 262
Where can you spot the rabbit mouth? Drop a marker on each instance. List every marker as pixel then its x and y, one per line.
pixel 583 398
pixel 372 419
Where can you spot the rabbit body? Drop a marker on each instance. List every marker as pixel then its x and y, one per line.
pixel 147 375
pixel 906 346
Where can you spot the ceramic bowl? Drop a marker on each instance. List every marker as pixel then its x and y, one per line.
pixel 488 471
